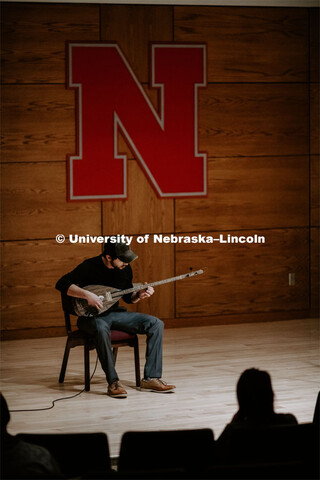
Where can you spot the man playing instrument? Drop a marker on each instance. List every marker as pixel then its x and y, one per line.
pixel 112 269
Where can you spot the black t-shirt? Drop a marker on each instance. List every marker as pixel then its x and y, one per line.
pixel 94 272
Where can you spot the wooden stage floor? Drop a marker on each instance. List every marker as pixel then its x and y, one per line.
pixel 204 363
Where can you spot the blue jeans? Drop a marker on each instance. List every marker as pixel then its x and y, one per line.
pixel 130 322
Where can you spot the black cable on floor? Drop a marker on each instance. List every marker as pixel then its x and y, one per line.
pixel 57 399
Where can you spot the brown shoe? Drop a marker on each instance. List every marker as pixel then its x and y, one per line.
pixel 156 385
pixel 115 389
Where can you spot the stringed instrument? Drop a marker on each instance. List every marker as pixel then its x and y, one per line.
pixel 109 295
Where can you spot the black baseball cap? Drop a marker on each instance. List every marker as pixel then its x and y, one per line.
pixel 119 250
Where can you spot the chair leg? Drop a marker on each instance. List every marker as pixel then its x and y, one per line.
pixel 86 367
pixel 137 362
pixel 64 363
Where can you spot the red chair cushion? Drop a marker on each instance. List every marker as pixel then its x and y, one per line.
pixel 117 336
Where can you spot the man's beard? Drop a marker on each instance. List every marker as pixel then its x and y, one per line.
pixel 118 268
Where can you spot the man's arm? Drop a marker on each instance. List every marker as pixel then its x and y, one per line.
pixel 92 298
pixel 68 286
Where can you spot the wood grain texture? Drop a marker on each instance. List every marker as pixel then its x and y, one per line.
pixel 315 273
pixel 314 16
pixel 254 120
pixel 155 262
pixel 133 27
pixel 34 36
pixel 246 277
pixel 198 321
pixel 30 271
pixel 203 362
pixel 256 192
pixel 255 131
pixel 142 212
pixel 179 322
pixel 315 190
pixel 38 123
pixel 31 306
pixel 248 44
pixel 314 119
pixel 34 203
pixel 42 332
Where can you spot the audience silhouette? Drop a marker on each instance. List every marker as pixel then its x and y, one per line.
pixel 257 443
pixel 256 407
pixel 256 401
pixel 21 459
pixel 316 414
pixel 261 442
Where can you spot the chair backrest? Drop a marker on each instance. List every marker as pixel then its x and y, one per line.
pixel 66 305
pixel 186 449
pixel 281 443
pixel 77 454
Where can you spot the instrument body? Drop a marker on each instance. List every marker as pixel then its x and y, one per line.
pixel 110 295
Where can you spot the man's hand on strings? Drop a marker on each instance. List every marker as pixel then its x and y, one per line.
pixel 94 300
pixel 141 294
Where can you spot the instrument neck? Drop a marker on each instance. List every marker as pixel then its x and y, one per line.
pixel 137 288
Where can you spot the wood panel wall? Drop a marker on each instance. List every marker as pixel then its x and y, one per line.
pixel 258 124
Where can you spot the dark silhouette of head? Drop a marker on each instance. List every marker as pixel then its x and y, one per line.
pixel 5 414
pixel 316 414
pixel 255 395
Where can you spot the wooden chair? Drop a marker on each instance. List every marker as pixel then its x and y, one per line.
pixel 77 338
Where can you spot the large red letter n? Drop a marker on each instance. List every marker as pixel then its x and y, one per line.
pixel 109 98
